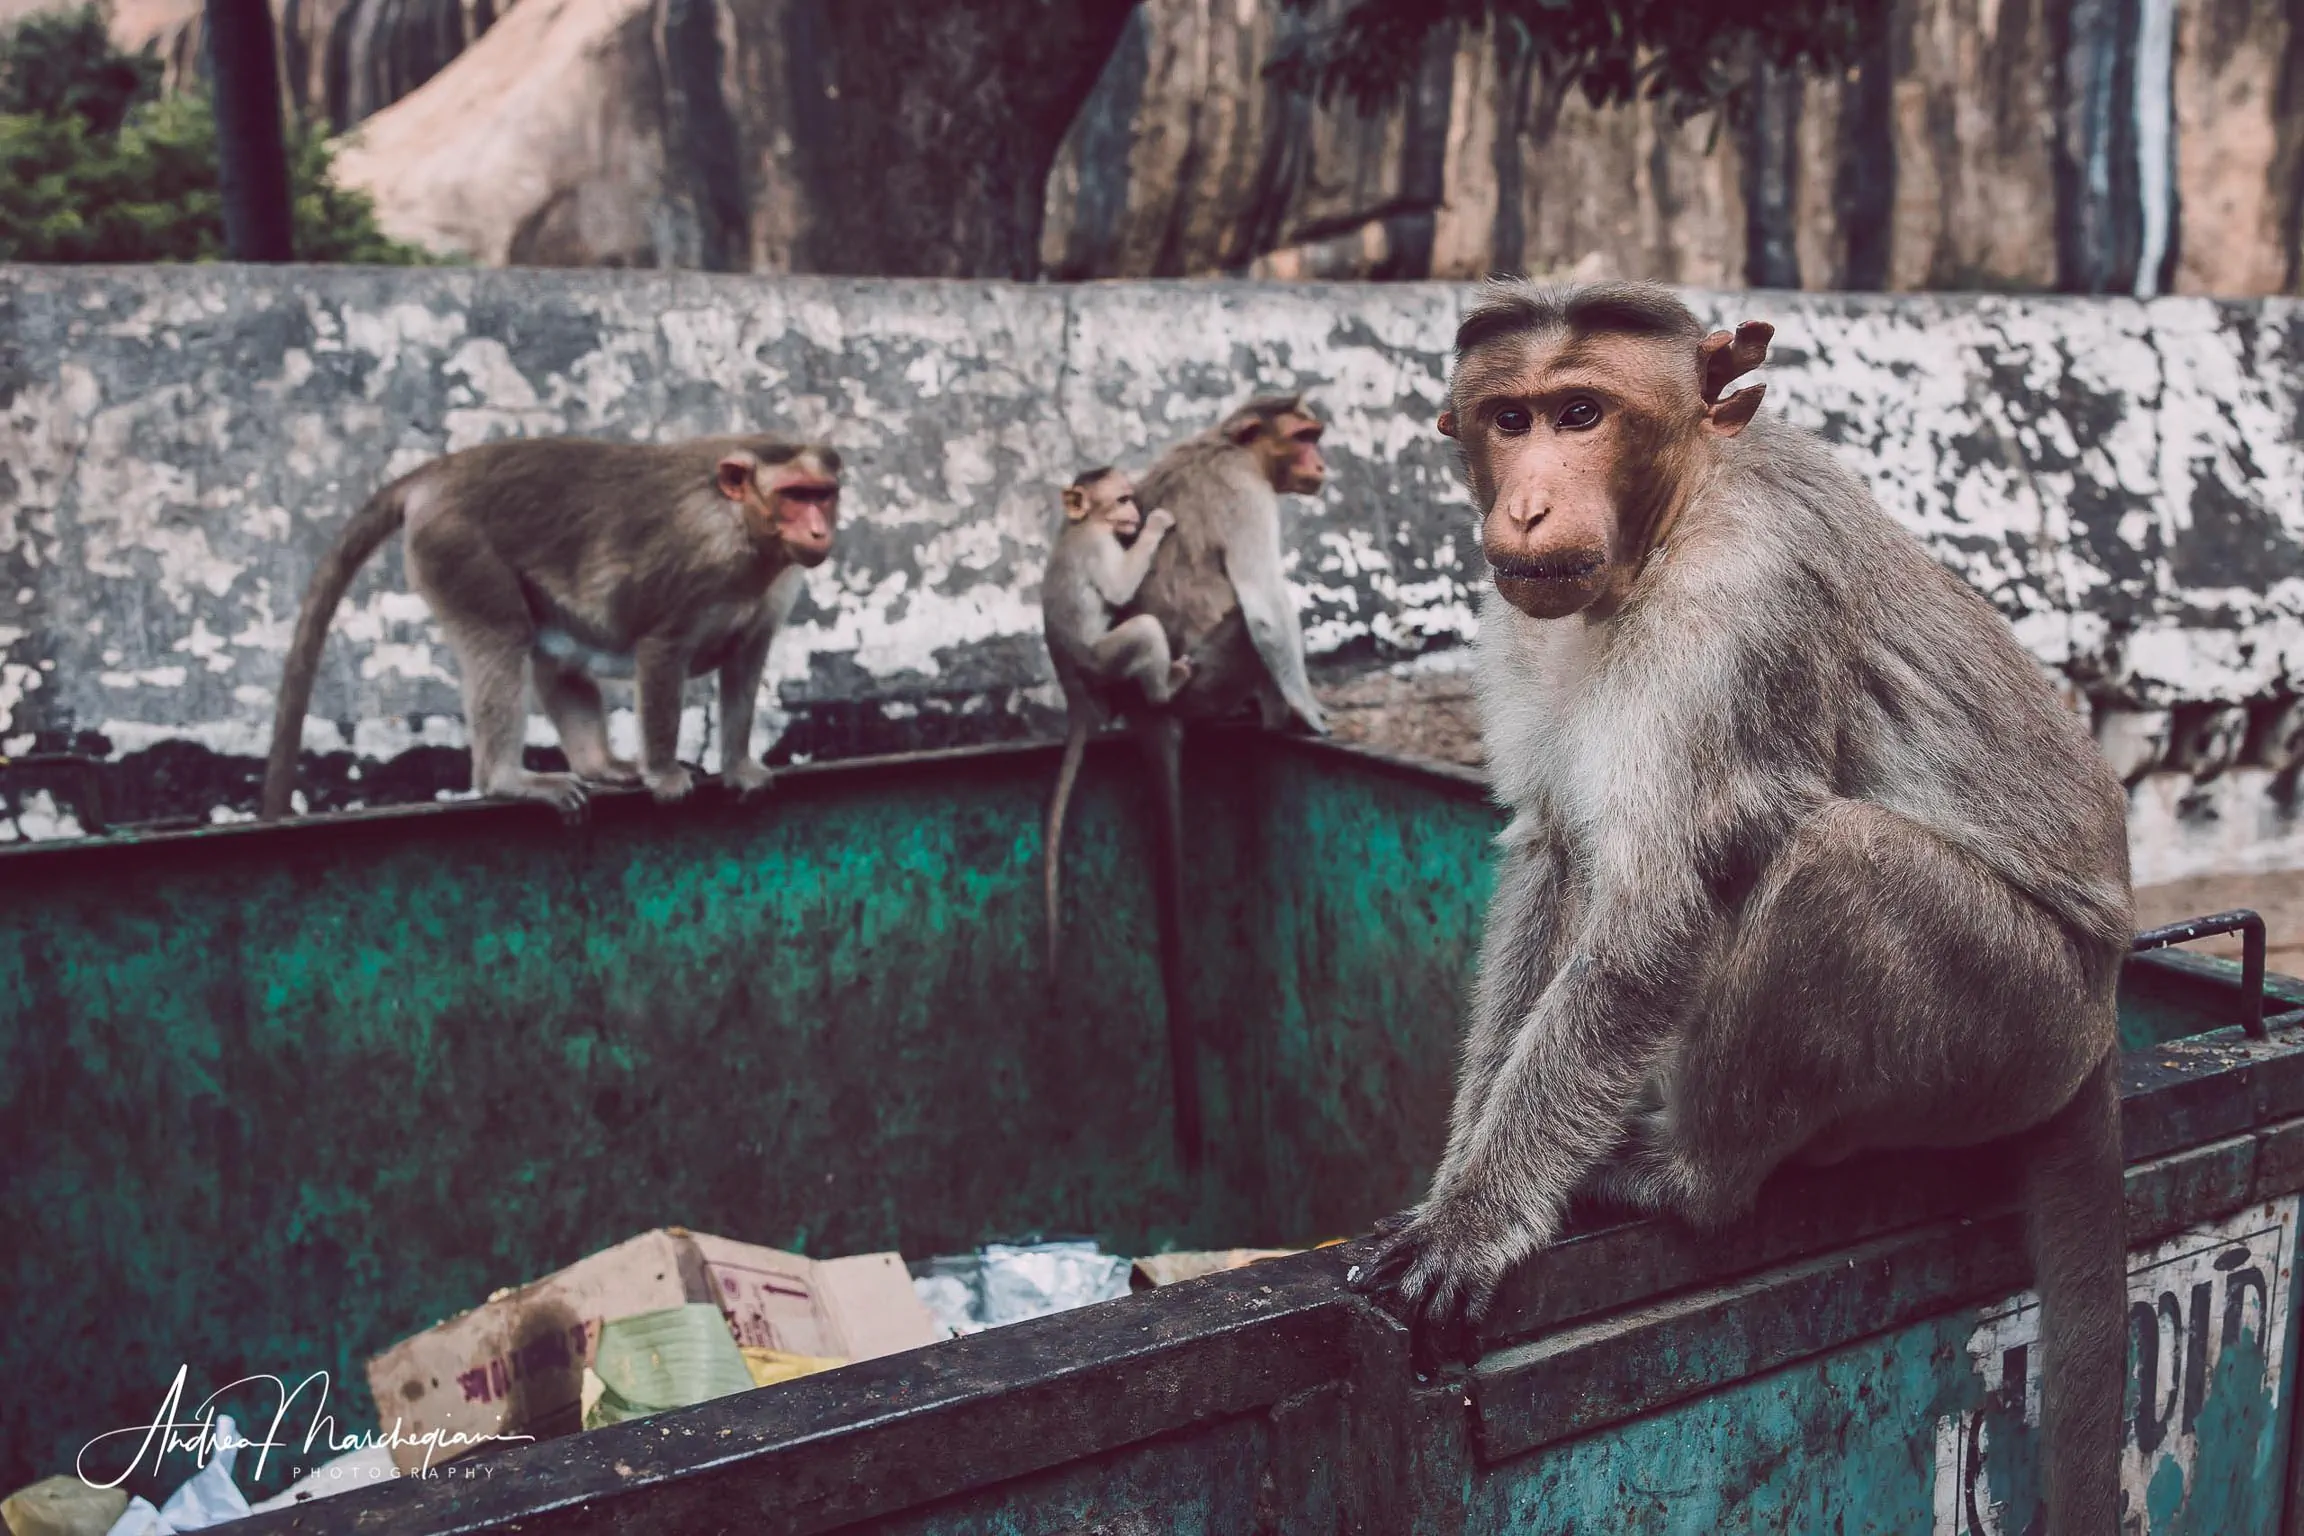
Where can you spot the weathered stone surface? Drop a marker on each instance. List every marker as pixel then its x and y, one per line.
pixel 2239 107
pixel 541 146
pixel 340 60
pixel 2125 480
pixel 1995 144
pixel 835 136
pixel 675 133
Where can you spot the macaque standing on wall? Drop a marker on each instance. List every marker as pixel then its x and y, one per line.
pixel 555 558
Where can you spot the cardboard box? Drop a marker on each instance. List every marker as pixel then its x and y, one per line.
pixel 1167 1268
pixel 515 1364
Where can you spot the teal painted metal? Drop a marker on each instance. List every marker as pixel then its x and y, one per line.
pixel 2172 994
pixel 271 1098
pixel 275 1098
pixel 1924 1429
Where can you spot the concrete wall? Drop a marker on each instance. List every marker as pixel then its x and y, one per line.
pixel 2126 480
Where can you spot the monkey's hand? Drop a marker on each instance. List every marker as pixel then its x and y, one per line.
pixel 747 777
pixel 1437 1269
pixel 1157 522
pixel 669 785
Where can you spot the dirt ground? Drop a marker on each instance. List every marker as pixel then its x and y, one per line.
pixel 1433 714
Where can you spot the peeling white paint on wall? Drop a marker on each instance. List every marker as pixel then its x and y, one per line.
pixel 2240 823
pixel 177 446
pixel 37 816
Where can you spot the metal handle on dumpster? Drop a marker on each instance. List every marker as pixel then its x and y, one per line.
pixel 2250 927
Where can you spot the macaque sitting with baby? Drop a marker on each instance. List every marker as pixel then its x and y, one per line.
pixel 1102 554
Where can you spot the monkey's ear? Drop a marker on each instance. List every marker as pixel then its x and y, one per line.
pixel 1075 503
pixel 735 477
pixel 1447 423
pixel 1244 429
pixel 1726 358
pixel 1731 415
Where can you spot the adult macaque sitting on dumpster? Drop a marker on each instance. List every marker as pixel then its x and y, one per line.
pixel 1805 856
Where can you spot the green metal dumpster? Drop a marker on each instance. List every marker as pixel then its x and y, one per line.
pixel 276 1097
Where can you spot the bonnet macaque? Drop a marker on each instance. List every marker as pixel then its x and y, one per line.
pixel 1093 572
pixel 553 558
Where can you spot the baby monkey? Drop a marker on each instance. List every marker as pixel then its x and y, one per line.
pixel 1093 573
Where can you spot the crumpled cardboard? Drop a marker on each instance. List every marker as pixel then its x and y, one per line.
pixel 515 1365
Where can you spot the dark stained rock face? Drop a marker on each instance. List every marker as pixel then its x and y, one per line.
pixel 1102 139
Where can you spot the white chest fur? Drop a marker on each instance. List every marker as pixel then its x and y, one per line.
pixel 1549 719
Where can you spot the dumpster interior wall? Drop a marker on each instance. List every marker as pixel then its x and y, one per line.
pixel 272 1099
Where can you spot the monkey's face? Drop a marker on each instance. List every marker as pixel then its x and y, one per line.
pixel 1292 460
pixel 1110 500
pixel 793 505
pixel 1115 503
pixel 1568 444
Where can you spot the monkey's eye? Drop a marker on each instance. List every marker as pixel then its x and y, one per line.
pixel 1578 414
pixel 1512 421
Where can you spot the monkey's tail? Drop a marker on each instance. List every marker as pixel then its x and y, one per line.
pixel 1075 746
pixel 2074 1219
pixel 370 527
pixel 1162 737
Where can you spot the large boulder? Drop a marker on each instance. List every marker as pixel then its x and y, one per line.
pixel 541 145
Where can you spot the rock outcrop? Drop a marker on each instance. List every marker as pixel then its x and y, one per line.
pixel 1955 158
pixel 340 60
pixel 541 146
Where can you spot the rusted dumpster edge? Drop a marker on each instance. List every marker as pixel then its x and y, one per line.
pixel 612 806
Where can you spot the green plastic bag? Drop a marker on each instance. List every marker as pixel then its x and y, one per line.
pixel 654 1361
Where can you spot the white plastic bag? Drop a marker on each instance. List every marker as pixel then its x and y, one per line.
pixel 1026 1280
pixel 208 1497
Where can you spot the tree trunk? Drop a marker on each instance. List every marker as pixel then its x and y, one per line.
pixel 924 133
pixel 251 149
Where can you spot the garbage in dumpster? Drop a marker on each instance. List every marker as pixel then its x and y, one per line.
pixel 672 1359
pixel 62 1506
pixel 654 1361
pixel 1010 1282
pixel 770 1366
pixel 1167 1268
pixel 208 1497
pixel 514 1366
pixel 67 1506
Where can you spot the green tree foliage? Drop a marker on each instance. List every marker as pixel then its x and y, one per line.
pixel 95 166
pixel 64 65
pixel 1691 54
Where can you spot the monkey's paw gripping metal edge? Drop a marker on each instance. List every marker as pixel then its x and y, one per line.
pixel 1443 1314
